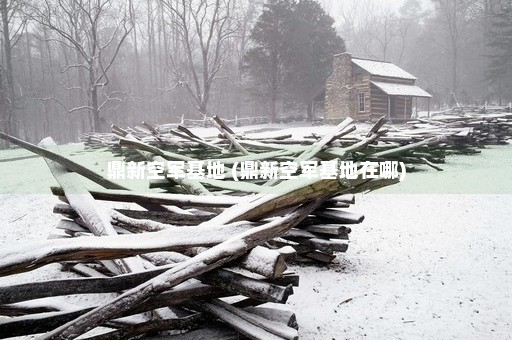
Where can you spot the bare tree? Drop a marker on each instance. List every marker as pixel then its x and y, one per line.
pixel 13 24
pixel 375 31
pixel 454 16
pixel 96 30
pixel 384 32
pixel 349 14
pixel 204 28
pixel 410 15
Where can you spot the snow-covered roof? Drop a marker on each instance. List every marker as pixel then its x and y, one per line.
pixel 401 90
pixel 382 68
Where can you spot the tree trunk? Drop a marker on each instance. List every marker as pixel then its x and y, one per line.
pixel 9 77
pixel 273 104
pixel 29 60
pixel 81 83
pixel 274 86
pixel 309 106
pixel 95 109
pixel 140 84
pixel 454 69
pixel 93 100
pixel 52 110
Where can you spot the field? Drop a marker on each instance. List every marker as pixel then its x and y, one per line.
pixel 431 260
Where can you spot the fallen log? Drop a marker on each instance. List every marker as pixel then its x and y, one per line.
pixel 40 323
pixel 206 261
pixel 20 258
pixel 251 325
pixel 96 220
pixel 229 134
pixel 66 162
pixel 166 199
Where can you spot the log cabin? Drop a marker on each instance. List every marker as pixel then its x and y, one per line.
pixel 365 89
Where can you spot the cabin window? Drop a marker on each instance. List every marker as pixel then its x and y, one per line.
pixel 360 100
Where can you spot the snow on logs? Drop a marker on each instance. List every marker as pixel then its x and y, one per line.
pixel 200 258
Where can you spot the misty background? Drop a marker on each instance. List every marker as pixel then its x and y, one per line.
pixel 71 66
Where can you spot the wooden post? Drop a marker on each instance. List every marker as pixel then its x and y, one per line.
pixel 389 107
pixel 405 108
pixel 428 108
pixel 416 108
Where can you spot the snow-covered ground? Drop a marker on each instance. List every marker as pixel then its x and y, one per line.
pixel 434 265
pixel 428 266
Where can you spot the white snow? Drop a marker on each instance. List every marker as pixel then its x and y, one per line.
pixel 401 89
pixel 420 266
pixel 382 68
pixel 430 265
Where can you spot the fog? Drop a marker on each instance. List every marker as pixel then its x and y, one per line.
pixel 63 74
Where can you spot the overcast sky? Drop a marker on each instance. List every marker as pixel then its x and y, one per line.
pixel 390 3
pixel 334 5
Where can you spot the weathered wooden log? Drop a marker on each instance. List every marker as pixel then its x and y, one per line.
pixel 242 285
pixel 191 186
pixel 19 310
pixel 376 127
pixel 298 234
pixel 155 325
pixel 209 331
pixel 71 165
pixel 286 279
pixel 346 198
pixel 269 263
pixel 167 199
pixel 429 141
pixel 340 216
pixel 333 204
pixel 342 153
pixel 138 225
pixel 319 256
pixel 96 220
pixel 285 317
pixel 266 262
pixel 188 132
pixel 72 228
pixel 133 143
pixel 249 324
pixel 206 261
pixel 157 216
pixel 278 154
pixel 331 230
pixel 85 270
pixel 66 162
pixel 27 257
pixel 328 246
pixel 317 146
pixel 32 324
pixel 239 186
pixel 188 135
pixel 36 290
pixel 229 134
pixel 279 197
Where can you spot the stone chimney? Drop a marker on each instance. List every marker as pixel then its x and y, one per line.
pixel 339 94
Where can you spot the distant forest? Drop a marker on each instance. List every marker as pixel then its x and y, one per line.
pixel 70 66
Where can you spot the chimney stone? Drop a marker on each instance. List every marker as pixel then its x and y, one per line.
pixel 339 93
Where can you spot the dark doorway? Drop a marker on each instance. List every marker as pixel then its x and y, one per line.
pixel 392 106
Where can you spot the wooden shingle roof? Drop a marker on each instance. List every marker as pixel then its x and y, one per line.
pixel 382 68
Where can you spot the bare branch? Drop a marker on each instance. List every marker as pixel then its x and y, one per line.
pixel 61 104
